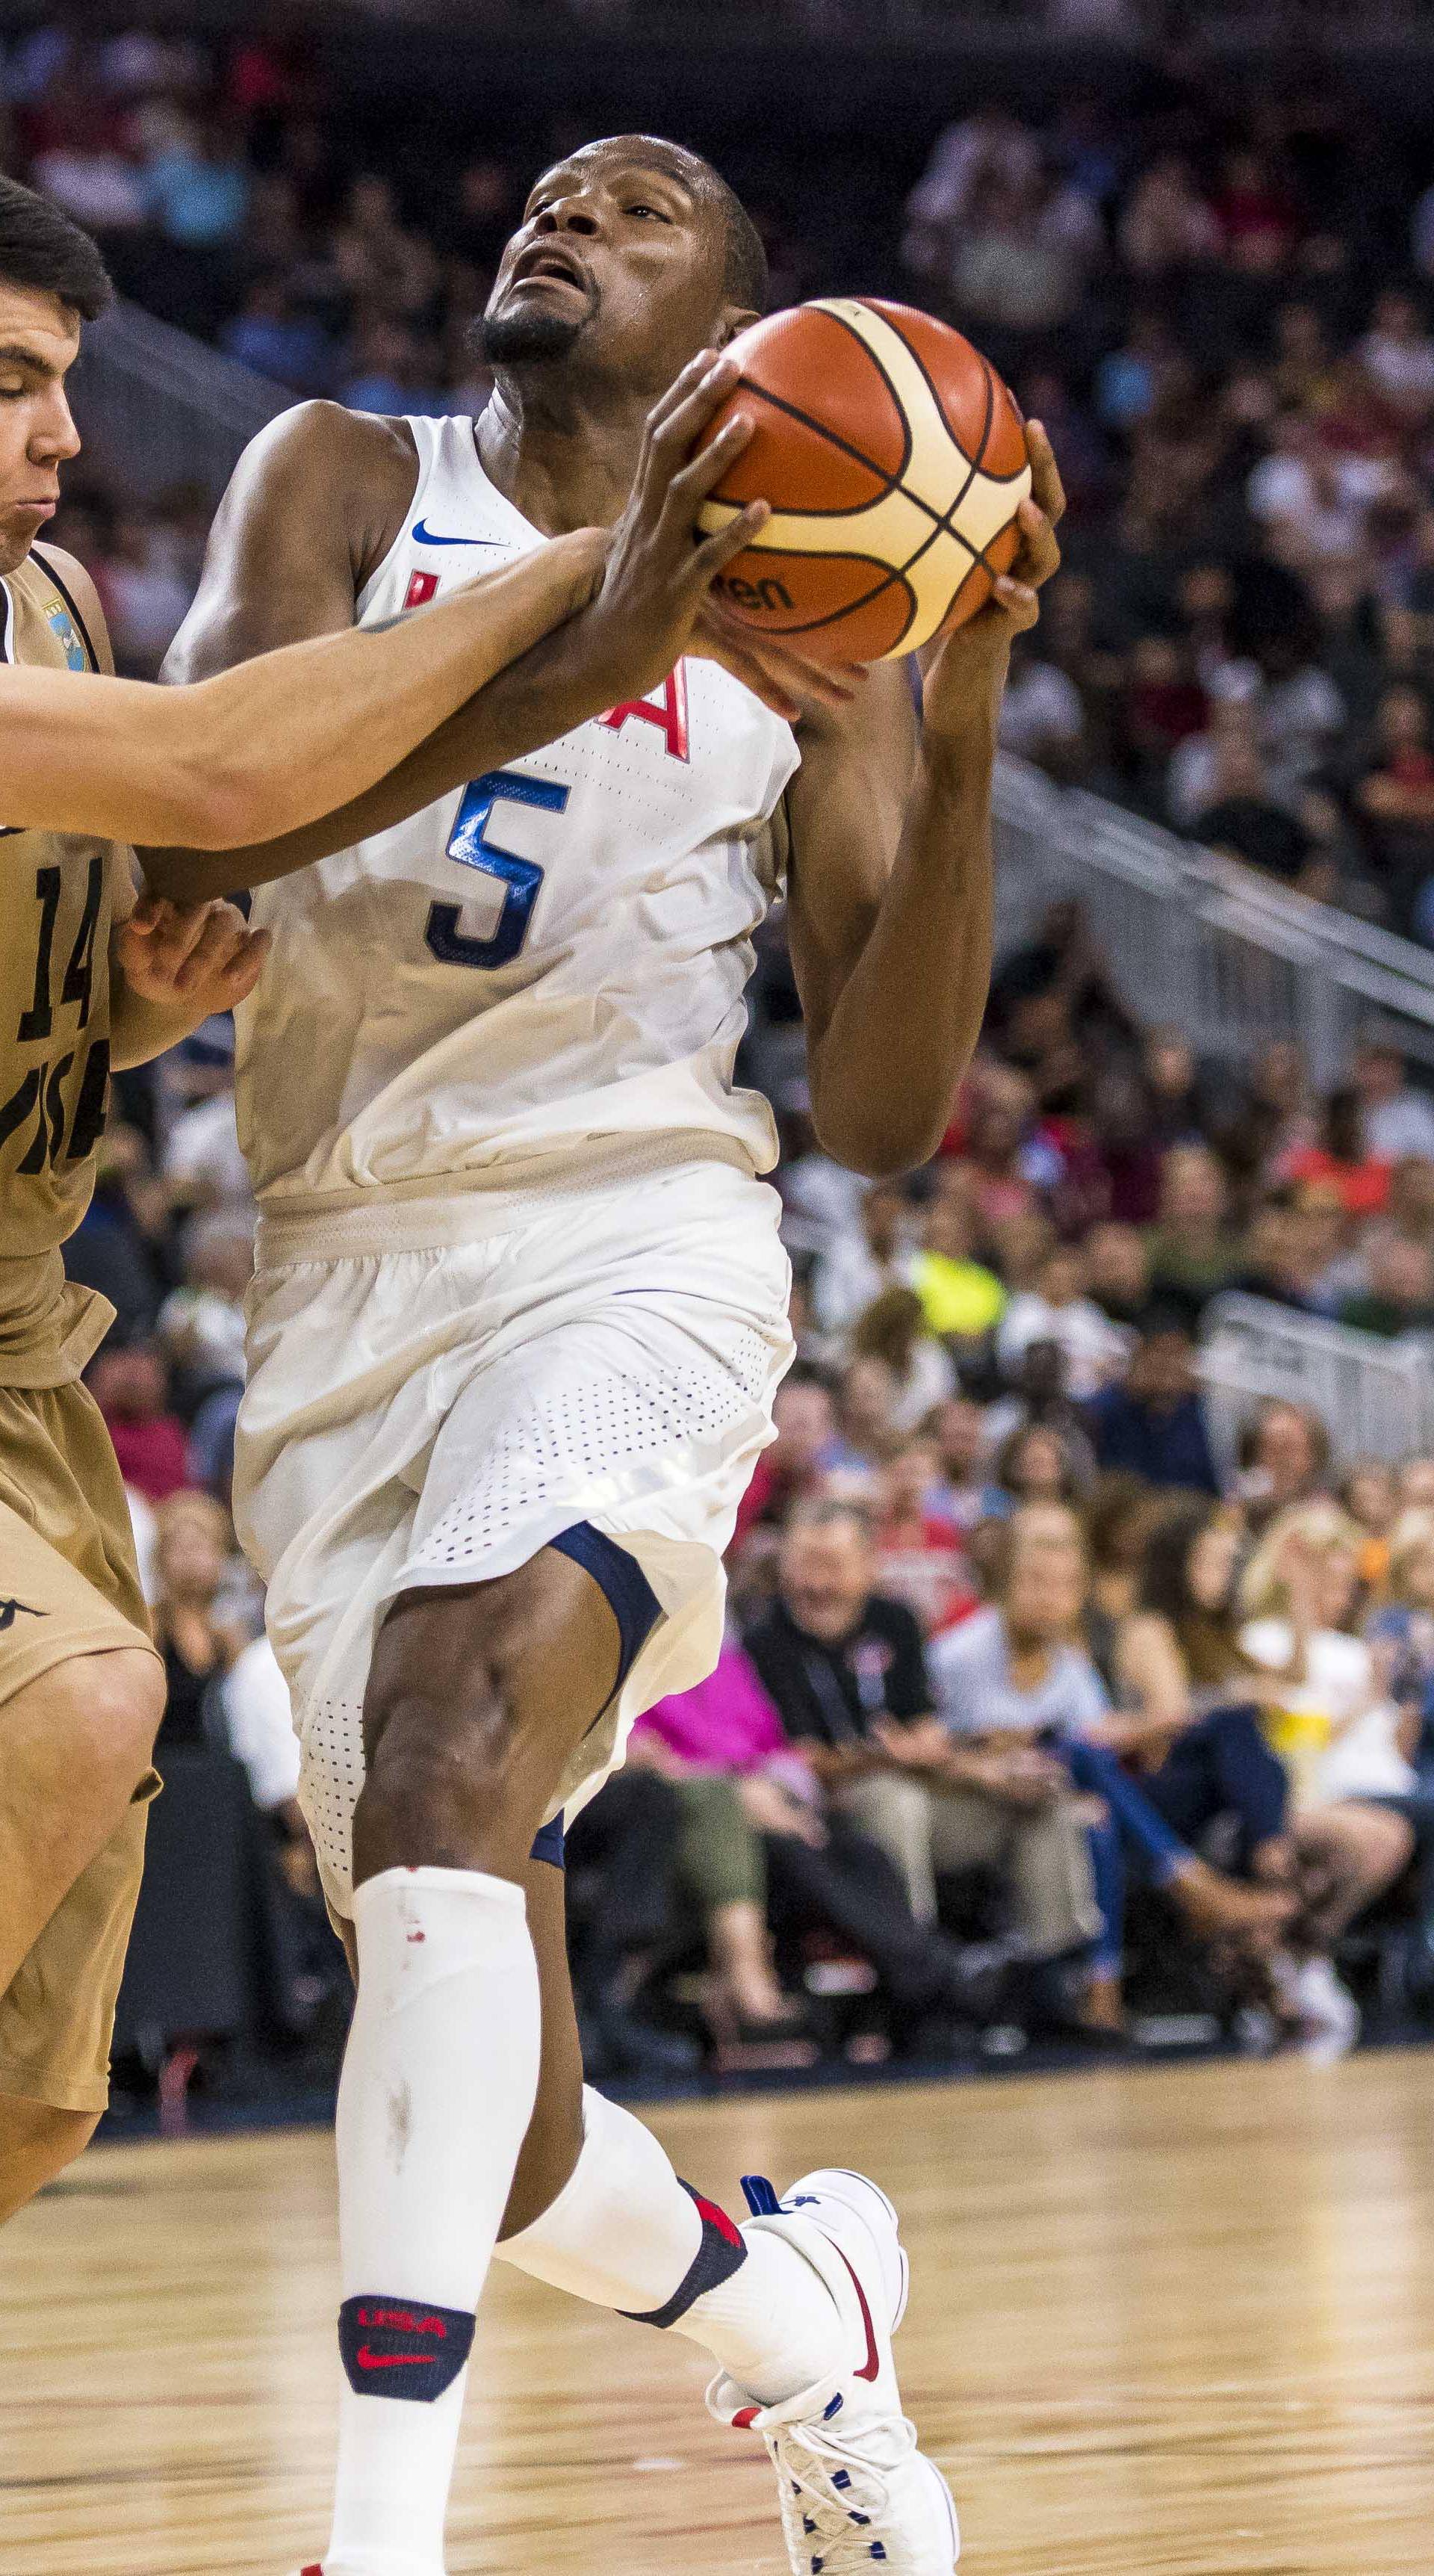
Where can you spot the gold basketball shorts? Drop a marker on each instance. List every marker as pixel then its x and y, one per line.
pixel 69 1586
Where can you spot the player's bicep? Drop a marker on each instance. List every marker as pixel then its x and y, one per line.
pixel 844 817
pixel 279 566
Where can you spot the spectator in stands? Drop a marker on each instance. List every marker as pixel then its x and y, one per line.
pixel 1191 1251
pixel 1399 1300
pixel 1018 1674
pixel 1190 1698
pixel 202 1162
pixel 129 1385
pixel 858 1267
pixel 867 1412
pixel 805 1448
pixel 1245 820
pixel 1154 1422
pixel 1042 718
pixel 1397 354
pixel 849 1679
pixel 117 1247
pixel 1401 1634
pixel 201 1324
pixel 920 1555
pixel 272 335
pixel 1283 1256
pixel 199 1646
pixel 1368 1495
pixel 1168 226
pixel 1284 1455
pixel 1394 800
pixel 1040 1398
pixel 196 187
pixel 1118 1270
pixel 1058 1310
pixel 1338 1735
pixel 1036 1464
pixel 958 1434
pixel 1398 1120
pixel 759 1843
pixel 1339 1159
pixel 961 1299
pixel 923 1372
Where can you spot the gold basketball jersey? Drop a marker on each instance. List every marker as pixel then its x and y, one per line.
pixel 57 895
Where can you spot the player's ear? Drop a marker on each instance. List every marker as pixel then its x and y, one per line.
pixel 734 318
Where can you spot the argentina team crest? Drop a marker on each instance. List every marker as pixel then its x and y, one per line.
pixel 67 634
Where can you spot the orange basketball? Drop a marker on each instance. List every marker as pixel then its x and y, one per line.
pixel 894 459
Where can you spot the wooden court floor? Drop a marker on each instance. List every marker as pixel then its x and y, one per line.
pixel 1163 2324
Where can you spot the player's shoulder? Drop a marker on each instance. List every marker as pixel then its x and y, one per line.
pixel 324 438
pixel 79 588
pixel 321 467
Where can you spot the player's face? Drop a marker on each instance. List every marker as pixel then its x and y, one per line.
pixel 618 267
pixel 39 342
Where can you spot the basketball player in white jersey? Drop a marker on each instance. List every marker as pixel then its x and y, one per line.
pixel 520 1313
pixel 90 979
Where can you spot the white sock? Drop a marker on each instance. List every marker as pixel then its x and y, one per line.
pixel 626 2234
pixel 438 2087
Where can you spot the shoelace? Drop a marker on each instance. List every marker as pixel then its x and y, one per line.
pixel 832 2509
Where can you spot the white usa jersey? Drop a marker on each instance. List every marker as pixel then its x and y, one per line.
pixel 546 964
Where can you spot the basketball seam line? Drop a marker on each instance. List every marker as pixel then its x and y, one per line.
pixel 944 525
pixel 935 392
pixel 890 482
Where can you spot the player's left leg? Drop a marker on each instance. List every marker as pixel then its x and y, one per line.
pixel 797 2307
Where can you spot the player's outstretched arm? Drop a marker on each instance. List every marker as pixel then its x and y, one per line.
pixel 270 745
pixel 652 607
pixel 891 892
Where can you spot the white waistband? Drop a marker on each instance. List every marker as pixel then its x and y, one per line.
pixel 421 1216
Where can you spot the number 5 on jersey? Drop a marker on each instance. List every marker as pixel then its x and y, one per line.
pixel 520 878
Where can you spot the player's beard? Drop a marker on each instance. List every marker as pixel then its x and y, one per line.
pixel 532 336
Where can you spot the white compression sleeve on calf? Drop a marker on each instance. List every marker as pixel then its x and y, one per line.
pixel 438 2087
pixel 625 2233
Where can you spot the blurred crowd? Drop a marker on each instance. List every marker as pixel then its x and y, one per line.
pixel 1046 1707
pixel 1218 300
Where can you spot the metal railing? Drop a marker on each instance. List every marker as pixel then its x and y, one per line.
pixel 156 408
pixel 1376 1398
pixel 1202 942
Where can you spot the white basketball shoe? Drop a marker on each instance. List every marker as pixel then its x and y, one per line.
pixel 854 2489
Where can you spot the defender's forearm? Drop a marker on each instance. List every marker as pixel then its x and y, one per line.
pixel 141 1030
pixel 559 683
pixel 903 1029
pixel 277 741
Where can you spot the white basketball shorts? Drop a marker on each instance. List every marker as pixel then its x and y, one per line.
pixel 439 1387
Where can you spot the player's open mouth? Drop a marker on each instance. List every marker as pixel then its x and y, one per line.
pixel 548 266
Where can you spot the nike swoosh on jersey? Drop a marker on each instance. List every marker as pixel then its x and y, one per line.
pixel 423 535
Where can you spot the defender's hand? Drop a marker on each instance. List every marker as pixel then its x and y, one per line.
pixel 198 957
pixel 658 569
pixel 775 671
pixel 964 681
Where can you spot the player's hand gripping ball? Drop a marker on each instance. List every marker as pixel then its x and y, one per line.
pixel 894 460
